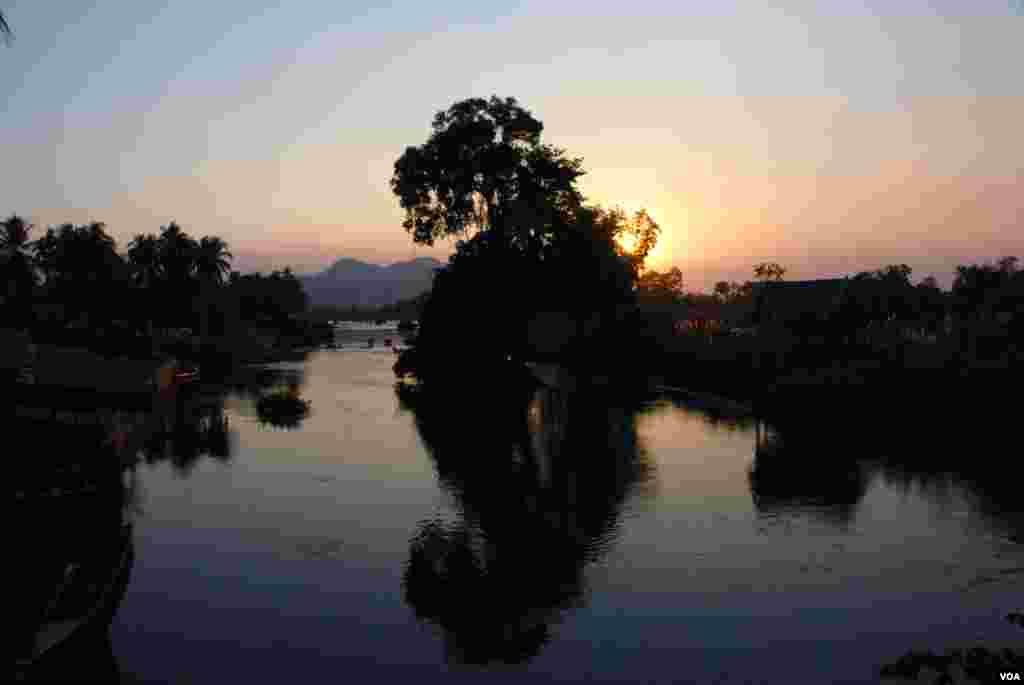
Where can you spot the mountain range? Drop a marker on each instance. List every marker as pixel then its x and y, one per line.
pixel 350 282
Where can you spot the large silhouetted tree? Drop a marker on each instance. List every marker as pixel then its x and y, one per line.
pixel 525 239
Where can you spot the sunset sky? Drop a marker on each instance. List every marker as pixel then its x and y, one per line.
pixel 831 137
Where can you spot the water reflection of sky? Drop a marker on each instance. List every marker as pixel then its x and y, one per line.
pixel 693 559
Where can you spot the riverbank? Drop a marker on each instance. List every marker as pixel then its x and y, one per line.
pixel 259 341
pixel 825 389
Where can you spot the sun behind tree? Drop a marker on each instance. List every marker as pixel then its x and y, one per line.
pixel 526 242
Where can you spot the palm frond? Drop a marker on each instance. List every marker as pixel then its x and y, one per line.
pixel 5 28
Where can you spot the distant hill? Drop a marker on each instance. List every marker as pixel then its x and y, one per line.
pixel 351 282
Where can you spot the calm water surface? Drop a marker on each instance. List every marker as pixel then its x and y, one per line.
pixel 497 538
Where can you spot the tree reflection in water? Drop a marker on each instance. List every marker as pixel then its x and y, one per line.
pixel 273 392
pixel 991 486
pixel 200 430
pixel 539 479
pixel 282 408
pixel 254 381
pixel 791 477
pixel 827 478
pixel 815 476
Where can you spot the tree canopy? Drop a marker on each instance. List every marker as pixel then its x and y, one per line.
pixel 978 287
pixel 893 274
pixel 769 271
pixel 484 169
pixel 661 288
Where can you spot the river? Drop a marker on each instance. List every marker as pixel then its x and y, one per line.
pixel 394 537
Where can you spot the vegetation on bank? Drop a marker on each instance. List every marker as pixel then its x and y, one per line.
pixel 167 293
pixel 863 354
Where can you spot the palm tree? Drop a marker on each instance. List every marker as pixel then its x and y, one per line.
pixel 48 251
pixel 177 253
pixel 212 265
pixel 17 268
pixel 14 232
pixel 144 257
pixel 15 248
pixel 212 260
pixel 147 273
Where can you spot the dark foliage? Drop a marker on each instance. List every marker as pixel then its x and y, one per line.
pixel 283 408
pixel 71 286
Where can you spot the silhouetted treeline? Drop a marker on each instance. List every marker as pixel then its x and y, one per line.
pixel 199 431
pixel 872 299
pixel 72 285
pixel 872 347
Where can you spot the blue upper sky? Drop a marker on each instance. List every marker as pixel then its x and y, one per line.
pixel 825 135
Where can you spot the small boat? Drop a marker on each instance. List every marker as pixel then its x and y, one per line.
pixel 87 594
pixel 74 562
